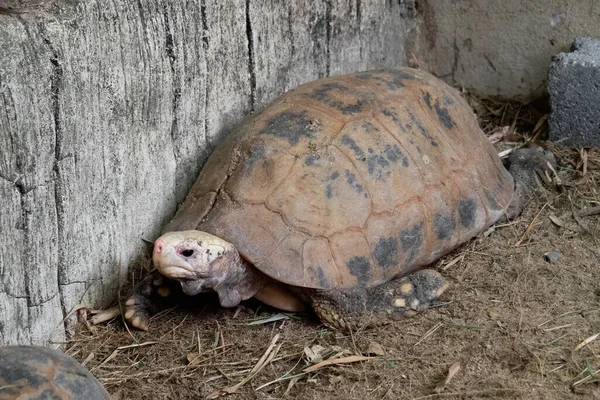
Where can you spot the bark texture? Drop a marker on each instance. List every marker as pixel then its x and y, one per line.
pixel 108 110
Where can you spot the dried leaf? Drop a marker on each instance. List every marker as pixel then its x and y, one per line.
pixel 314 354
pixel 587 341
pixel 317 353
pixel 505 153
pixel 453 370
pixel 489 231
pixel 290 385
pixel 343 360
pixel 272 318
pixel 556 221
pixel 499 134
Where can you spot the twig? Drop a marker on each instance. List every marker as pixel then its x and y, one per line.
pixel 529 228
pixel 429 332
pixel 454 261
pixel 335 361
pixel 566 314
pixel 505 153
pixel 587 341
pixel 468 394
pixel 557 328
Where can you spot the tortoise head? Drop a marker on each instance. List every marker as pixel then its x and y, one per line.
pixel 198 260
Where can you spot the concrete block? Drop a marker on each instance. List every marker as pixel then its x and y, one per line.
pixel 574 87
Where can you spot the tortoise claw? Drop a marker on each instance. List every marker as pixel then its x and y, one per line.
pixel 152 294
pixel 136 312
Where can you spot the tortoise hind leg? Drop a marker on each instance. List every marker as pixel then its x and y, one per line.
pixel 404 297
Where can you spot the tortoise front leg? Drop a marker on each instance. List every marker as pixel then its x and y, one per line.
pixel 152 294
pixel 356 308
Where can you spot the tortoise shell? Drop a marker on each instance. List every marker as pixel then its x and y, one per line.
pixel 32 372
pixel 351 180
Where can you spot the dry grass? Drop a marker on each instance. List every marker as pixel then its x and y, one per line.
pixel 513 325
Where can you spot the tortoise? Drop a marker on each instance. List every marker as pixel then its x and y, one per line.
pixel 336 197
pixel 35 372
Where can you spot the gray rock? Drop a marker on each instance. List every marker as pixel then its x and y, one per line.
pixel 553 256
pixel 574 87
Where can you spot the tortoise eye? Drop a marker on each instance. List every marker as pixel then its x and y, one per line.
pixel 187 253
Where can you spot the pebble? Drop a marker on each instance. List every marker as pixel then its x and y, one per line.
pixel 553 256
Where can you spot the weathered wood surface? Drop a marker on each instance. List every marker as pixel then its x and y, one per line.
pixel 109 109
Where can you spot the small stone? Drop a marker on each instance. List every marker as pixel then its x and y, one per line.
pixel 553 256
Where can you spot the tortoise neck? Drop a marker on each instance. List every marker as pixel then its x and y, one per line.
pixel 243 280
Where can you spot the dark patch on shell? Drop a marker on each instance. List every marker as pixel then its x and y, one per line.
pixel 291 126
pixel 427 98
pixel 50 394
pixel 444 225
pixel 351 180
pixel 311 159
pixel 448 101
pixel 321 277
pixel 411 240
pixel 393 81
pixel 351 144
pixel 323 94
pixel 385 252
pixel 329 190
pixel 467 209
pixel 14 369
pixel 391 114
pixel 444 116
pixel 393 154
pixel 257 153
pixel 423 130
pixel 376 164
pixel 394 117
pixel 348 108
pixel 360 267
pixel 369 127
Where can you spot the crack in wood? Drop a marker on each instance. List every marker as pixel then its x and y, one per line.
pixel 251 66
pixel 205 49
pixel 327 36
pixel 175 77
pixel 56 86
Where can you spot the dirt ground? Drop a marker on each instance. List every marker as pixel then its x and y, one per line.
pixel 514 323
